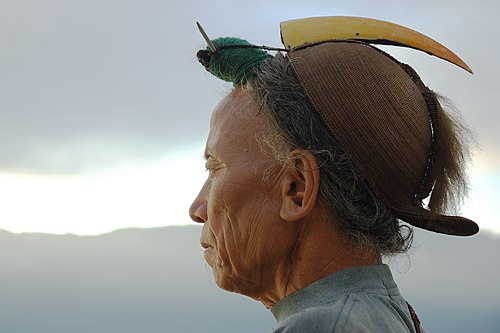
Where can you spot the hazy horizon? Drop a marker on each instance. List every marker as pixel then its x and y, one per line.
pixel 155 280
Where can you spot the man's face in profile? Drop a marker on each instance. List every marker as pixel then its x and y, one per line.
pixel 246 243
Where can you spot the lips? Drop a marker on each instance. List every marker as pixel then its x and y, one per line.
pixel 206 246
pixel 208 254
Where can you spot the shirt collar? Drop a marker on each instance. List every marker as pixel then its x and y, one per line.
pixel 376 278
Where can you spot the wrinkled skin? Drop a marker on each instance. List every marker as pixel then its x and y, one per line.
pixel 264 231
pixel 247 244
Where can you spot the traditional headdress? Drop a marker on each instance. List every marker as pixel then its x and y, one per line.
pixel 375 107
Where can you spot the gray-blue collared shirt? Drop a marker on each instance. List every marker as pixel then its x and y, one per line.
pixel 360 299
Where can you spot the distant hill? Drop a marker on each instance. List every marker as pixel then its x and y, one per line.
pixel 155 280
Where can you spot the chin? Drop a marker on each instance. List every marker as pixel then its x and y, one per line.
pixel 209 255
pixel 223 278
pixel 237 284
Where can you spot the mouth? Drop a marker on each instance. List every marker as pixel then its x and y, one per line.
pixel 206 246
pixel 208 254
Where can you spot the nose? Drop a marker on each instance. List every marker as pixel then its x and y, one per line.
pixel 198 209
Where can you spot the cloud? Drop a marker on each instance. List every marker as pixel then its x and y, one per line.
pixel 136 195
pixel 79 78
pixel 124 74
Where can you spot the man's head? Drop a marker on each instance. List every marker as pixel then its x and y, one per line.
pixel 253 207
pixel 332 145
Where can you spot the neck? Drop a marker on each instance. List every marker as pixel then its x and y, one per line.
pixel 320 251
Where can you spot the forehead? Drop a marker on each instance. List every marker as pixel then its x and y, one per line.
pixel 234 123
pixel 237 106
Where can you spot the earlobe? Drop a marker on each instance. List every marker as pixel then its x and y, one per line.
pixel 300 186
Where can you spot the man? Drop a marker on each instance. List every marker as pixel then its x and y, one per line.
pixel 315 159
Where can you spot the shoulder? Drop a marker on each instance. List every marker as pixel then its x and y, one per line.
pixel 350 314
pixel 317 319
pixel 320 319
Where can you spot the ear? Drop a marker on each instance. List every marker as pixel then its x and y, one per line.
pixel 299 186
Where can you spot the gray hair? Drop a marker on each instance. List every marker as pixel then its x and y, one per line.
pixel 345 193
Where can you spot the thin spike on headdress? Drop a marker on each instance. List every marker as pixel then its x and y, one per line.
pixel 210 43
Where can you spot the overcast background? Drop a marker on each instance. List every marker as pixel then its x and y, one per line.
pixel 103 115
pixel 104 108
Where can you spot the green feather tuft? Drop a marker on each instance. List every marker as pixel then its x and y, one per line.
pixel 235 64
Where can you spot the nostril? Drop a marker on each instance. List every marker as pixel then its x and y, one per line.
pixel 197 219
pixel 198 211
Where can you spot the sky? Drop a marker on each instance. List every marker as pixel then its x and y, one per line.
pixel 104 108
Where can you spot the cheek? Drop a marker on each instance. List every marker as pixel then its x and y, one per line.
pixel 226 228
pixel 244 233
pixel 235 214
